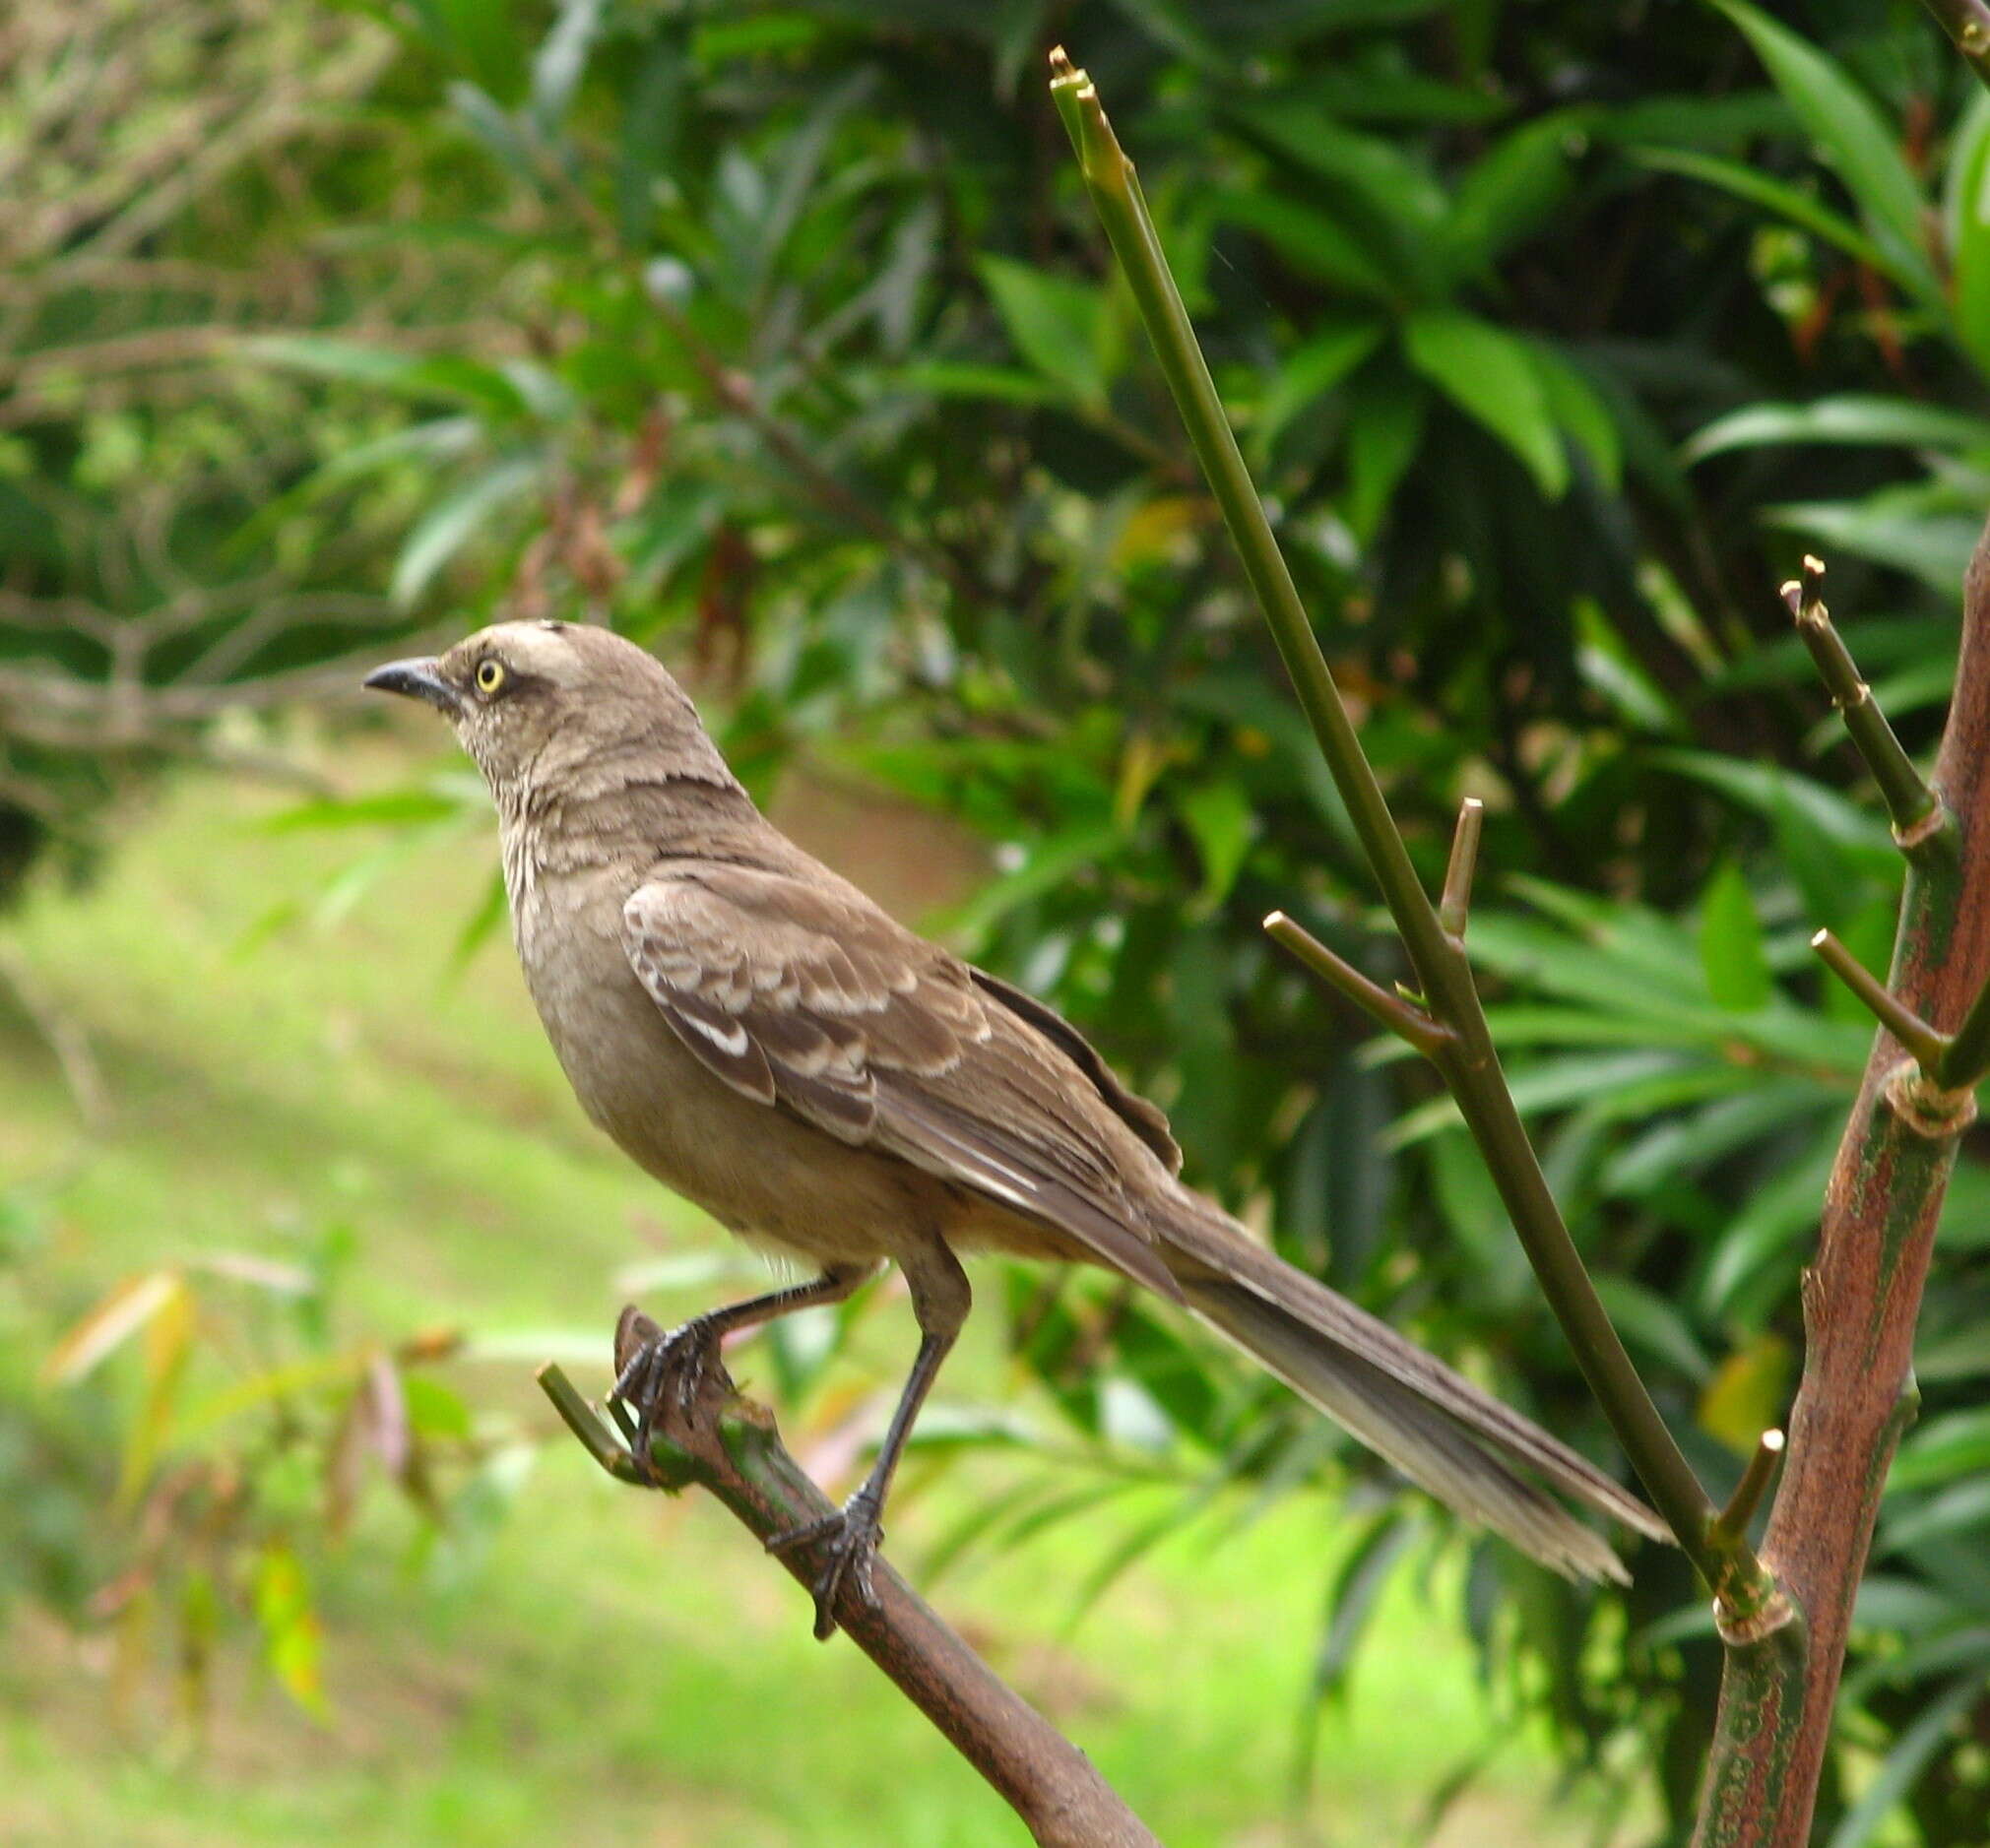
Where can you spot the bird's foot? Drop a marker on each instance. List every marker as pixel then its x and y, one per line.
pixel 656 1368
pixel 850 1538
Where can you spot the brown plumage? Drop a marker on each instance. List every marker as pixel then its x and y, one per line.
pixel 762 1037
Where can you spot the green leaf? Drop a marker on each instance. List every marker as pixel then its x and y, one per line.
pixel 1757 1244
pixel 1646 1319
pixel 1173 25
pixel 1850 419
pixel 1057 324
pixel 1847 128
pixel 1730 943
pixel 1374 93
pixel 948 378
pixel 1492 377
pixel 1398 201
pixel 1219 818
pixel 1658 1156
pixel 561 59
pixel 1775 793
pixel 1906 1762
pixel 292 1637
pixel 479 925
pixel 1384 429
pixel 1512 191
pixel 434 1409
pixel 1318 245
pixel 438 799
pixel 1358 1586
pixel 1047 863
pixel 1309 372
pixel 1967 217
pixel 1961 1353
pixel 324 357
pixel 1954 1445
pixel 1758 189
pixel 480 37
pixel 1958 1508
pixel 124 1312
pixel 1890 529
pixel 1583 417
pixel 1477 1218
pixel 1748 1393
pixel 492 124
pixel 454 377
pixel 454 522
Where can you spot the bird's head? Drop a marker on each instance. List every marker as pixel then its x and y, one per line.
pixel 537 699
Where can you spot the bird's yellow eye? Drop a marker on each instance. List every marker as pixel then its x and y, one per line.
pixel 489 676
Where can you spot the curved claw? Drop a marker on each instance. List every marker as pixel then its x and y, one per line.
pixel 657 1365
pixel 850 1537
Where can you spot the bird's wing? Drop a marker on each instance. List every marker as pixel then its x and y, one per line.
pixel 804 996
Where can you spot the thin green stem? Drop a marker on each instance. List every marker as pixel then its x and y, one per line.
pixel 1924 1044
pixel 1965 1059
pixel 579 1418
pixel 1467 1059
pixel 1457 904
pixel 1345 979
pixel 1731 1525
pixel 1910 803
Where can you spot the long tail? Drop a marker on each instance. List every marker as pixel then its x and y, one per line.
pixel 1433 1425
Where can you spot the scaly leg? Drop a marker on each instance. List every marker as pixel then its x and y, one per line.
pixel 940 1299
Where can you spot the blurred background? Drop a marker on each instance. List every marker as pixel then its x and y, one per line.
pixel 782 338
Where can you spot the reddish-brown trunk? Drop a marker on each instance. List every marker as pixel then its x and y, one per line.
pixel 1862 1298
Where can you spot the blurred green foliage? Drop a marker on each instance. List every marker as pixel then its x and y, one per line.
pixel 782 336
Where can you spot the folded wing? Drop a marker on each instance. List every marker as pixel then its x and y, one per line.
pixel 807 997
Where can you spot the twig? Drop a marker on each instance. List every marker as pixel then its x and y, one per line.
pixel 1918 819
pixel 1732 1522
pixel 1952 1064
pixel 729 1446
pixel 1457 904
pixel 1345 979
pixel 1966 1059
pixel 1468 1060
pixel 1921 1039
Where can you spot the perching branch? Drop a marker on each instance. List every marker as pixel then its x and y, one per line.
pixel 1466 1055
pixel 729 1446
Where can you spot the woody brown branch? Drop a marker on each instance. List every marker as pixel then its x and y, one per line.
pixel 729 1446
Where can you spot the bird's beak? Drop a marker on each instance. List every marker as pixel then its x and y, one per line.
pixel 418 678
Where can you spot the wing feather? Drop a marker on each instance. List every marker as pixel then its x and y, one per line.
pixel 803 995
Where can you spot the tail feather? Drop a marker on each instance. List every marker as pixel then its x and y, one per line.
pixel 1440 1430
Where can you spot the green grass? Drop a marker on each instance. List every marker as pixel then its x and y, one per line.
pixel 618 1670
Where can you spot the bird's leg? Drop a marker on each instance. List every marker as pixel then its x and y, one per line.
pixel 650 1363
pixel 940 1299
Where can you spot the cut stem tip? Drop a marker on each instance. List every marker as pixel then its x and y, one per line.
pixel 1731 1525
pixel 1926 1045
